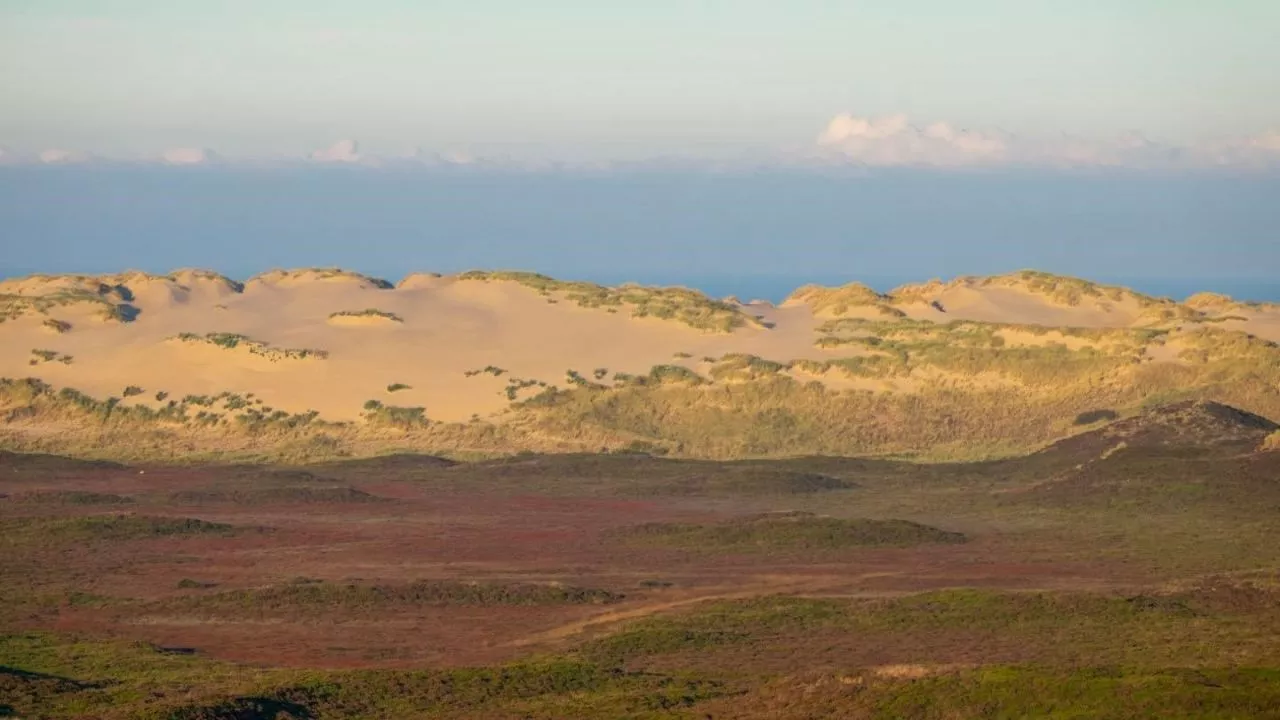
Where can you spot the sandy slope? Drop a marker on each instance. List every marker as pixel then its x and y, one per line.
pixel 446 326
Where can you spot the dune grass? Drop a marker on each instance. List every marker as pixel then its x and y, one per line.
pixel 376 413
pixel 105 300
pixel 57 326
pixel 932 391
pixel 44 356
pixel 371 313
pixel 689 307
pixel 231 341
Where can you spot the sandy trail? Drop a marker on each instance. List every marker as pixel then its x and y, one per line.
pixel 765 585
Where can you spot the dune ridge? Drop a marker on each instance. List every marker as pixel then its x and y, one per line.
pixel 331 362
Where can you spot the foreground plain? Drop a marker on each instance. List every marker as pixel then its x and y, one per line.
pixel 1128 571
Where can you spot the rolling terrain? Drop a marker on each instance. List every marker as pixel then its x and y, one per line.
pixel 1126 571
pixel 311 365
pixel 317 495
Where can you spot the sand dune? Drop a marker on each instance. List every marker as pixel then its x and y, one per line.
pixel 330 341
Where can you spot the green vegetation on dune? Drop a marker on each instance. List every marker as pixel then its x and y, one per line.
pixel 972 333
pixel 896 386
pixel 367 313
pixel 57 326
pixel 986 398
pixel 689 307
pixel 108 302
pixel 231 341
pixel 323 273
pixel 376 413
pixel 1065 289
pixel 1059 289
pixel 838 301
pixel 44 356
pixel 221 413
pixel 488 369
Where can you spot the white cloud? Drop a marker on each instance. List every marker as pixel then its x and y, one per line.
pixel 189 156
pixel 343 151
pixel 420 156
pixel 1268 141
pixel 64 157
pixel 894 141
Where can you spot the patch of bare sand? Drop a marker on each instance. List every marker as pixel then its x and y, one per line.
pixel 1263 322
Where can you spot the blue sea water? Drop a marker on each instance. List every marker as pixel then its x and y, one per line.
pixel 752 235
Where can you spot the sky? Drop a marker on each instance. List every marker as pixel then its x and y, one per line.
pixel 590 81
pixel 740 146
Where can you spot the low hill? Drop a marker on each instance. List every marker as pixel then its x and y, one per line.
pixel 322 364
pixel 1203 425
pixel 1200 454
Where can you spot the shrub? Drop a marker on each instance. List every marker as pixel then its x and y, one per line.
pixel 397 387
pixel 488 369
pixel 368 312
pixel 132 390
pixel 788 531
pixel 231 341
pixel 71 497
pixel 58 326
pixel 674 373
pixel 189 584
pixel 673 303
pixel 393 415
pixel 1090 417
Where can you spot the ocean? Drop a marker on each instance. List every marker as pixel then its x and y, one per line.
pixel 749 234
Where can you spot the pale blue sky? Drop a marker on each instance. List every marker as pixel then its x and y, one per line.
pixel 584 79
